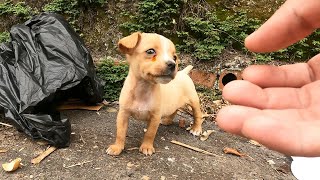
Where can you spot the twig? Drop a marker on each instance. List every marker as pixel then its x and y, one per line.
pixel 78 164
pixel 43 155
pixel 4 124
pixel 133 148
pixel 194 148
pixel 3 151
pixel 81 139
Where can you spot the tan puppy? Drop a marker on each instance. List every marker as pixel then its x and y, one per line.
pixel 153 89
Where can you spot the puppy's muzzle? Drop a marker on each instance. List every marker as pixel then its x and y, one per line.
pixel 171 67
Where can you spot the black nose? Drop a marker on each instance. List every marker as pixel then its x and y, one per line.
pixel 171 65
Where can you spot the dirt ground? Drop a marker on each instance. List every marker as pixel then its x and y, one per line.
pixel 92 132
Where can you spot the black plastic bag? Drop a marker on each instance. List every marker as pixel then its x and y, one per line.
pixel 44 63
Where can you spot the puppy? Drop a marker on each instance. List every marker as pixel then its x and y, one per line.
pixel 153 89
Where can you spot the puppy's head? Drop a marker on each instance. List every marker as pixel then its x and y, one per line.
pixel 151 56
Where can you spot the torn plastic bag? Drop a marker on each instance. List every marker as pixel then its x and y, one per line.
pixel 45 63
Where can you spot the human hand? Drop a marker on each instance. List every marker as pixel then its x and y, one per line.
pixel 279 106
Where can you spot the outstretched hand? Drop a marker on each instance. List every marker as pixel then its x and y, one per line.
pixel 279 106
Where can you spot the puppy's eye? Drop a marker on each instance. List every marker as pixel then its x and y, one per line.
pixel 175 57
pixel 151 52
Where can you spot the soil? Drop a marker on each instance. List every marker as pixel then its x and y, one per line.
pixel 92 132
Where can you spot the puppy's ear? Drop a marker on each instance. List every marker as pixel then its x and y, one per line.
pixel 127 44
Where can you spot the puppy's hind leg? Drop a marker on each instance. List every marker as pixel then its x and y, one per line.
pixel 168 119
pixel 196 128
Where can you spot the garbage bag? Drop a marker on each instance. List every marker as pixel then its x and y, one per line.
pixel 44 63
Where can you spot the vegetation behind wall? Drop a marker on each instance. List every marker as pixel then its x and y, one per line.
pixel 202 28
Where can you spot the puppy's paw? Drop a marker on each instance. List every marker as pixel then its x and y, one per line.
pixel 196 131
pixel 147 149
pixel 114 150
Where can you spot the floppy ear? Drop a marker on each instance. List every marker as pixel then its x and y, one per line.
pixel 127 44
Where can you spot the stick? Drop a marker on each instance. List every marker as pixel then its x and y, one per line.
pixel 43 155
pixel 78 164
pixel 3 151
pixel 4 124
pixel 194 148
pixel 133 148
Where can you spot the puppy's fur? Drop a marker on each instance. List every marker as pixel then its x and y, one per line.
pixel 153 89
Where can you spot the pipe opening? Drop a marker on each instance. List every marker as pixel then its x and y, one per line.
pixel 228 78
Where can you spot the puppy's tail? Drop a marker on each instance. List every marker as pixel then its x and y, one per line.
pixel 187 69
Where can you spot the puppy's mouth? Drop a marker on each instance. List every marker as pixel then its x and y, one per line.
pixel 163 78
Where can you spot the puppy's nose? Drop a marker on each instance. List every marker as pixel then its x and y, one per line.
pixel 171 65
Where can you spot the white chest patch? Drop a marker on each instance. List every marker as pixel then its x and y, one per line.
pixel 141 108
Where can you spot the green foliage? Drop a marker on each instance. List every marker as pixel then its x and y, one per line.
pixel 71 8
pixel 201 38
pixel 158 16
pixel 19 9
pixel 114 75
pixel 203 35
pixel 91 2
pixel 206 35
pixel 4 37
pixel 206 38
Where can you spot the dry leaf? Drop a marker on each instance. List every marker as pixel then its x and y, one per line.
pixel 271 162
pixel 232 151
pixel 286 169
pixel 106 103
pixel 12 166
pixel 217 103
pixel 145 178
pixel 182 123
pixel 253 142
pixel 205 135
pixel 130 165
pixel 111 109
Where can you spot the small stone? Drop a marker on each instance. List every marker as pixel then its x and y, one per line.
pixel 171 159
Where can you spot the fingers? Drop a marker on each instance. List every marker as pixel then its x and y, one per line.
pixel 293 21
pixel 247 94
pixel 280 130
pixel 295 75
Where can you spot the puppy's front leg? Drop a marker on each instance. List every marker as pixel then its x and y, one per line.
pixel 122 127
pixel 147 143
